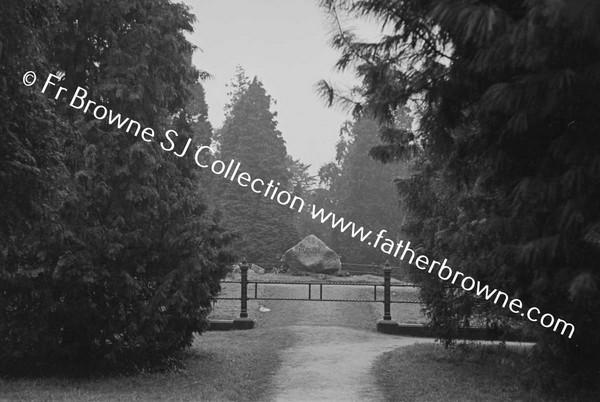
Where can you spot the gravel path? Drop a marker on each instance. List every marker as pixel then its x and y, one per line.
pixel 333 364
pixel 335 344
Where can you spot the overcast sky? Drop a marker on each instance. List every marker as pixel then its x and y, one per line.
pixel 286 44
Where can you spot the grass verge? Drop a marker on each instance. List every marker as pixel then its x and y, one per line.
pixel 220 366
pixel 428 372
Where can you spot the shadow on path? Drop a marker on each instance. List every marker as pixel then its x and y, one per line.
pixel 333 364
pixel 335 345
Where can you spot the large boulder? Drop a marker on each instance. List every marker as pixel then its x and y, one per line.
pixel 312 255
pixel 257 269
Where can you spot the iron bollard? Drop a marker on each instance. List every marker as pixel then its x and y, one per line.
pixel 387 325
pixel 387 278
pixel 244 292
pixel 244 322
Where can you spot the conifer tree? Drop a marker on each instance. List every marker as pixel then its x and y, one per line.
pixel 132 270
pixel 250 136
pixel 362 190
pixel 508 171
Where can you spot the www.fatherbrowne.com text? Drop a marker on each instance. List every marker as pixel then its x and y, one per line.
pixel 204 156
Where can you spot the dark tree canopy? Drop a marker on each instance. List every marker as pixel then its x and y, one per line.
pixel 125 254
pixel 508 186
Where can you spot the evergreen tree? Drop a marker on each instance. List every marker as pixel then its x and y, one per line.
pixel 136 263
pixel 303 184
pixel 507 185
pixel 31 136
pixel 367 192
pixel 362 190
pixel 250 136
pixel 300 179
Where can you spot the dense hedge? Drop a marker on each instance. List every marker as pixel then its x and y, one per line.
pixel 109 251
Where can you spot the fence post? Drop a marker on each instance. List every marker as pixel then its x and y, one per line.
pixel 387 325
pixel 244 290
pixel 387 279
pixel 243 322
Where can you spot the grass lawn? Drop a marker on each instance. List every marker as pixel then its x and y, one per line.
pixel 234 365
pixel 428 372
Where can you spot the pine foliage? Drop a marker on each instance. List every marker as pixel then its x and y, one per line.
pixel 508 182
pixel 361 190
pixel 250 136
pixel 125 255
